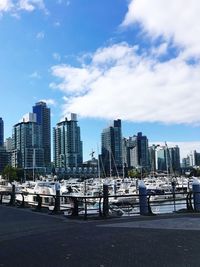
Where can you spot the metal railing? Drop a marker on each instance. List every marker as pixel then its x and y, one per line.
pixel 102 206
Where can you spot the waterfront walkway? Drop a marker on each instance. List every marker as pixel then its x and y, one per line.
pixel 36 239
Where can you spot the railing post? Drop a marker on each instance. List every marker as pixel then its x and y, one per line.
pixel 196 193
pixel 23 201
pixel 85 207
pixel 12 196
pixel 143 198
pixel 57 198
pixel 39 201
pixel 189 202
pixel 149 206
pixel 174 195
pixel 100 210
pixel 75 206
pixel 105 200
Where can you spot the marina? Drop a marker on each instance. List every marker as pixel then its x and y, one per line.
pixel 88 197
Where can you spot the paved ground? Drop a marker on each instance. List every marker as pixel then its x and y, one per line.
pixel 35 239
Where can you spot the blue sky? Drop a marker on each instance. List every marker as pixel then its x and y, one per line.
pixel 104 60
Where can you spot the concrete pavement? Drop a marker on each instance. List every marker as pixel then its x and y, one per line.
pixel 37 239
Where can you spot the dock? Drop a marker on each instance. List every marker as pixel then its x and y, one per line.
pixel 38 239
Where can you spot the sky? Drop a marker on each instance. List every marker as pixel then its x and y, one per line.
pixel 137 60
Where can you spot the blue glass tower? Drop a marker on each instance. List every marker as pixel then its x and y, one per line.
pixel 111 149
pixel 1 132
pixel 43 119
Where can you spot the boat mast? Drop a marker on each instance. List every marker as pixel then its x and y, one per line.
pixel 110 163
pixel 33 164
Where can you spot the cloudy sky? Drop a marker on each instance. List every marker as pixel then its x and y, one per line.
pixel 137 60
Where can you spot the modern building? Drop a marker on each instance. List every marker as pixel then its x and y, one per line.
pixel 174 160
pixel 28 152
pixel 152 158
pixel 161 163
pixel 168 160
pixel 111 149
pixel 67 144
pixel 186 163
pixel 194 158
pixel 8 144
pixel 127 145
pixel 4 158
pixel 1 132
pixel 44 120
pixel 139 154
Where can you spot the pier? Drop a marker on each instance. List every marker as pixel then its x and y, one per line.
pixel 39 239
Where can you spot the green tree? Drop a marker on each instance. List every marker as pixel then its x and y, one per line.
pixel 195 172
pixel 134 173
pixel 20 174
pixel 9 173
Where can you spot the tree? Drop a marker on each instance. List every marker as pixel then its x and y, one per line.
pixel 195 172
pixel 134 173
pixel 9 173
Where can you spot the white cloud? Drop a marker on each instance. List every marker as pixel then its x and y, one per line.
pixel 49 101
pixel 120 83
pixel 75 80
pixel 57 24
pixel 5 5
pixel 173 20
pixel 67 2
pixel 132 82
pixel 35 75
pixel 15 6
pixel 56 56
pixel 26 5
pixel 40 35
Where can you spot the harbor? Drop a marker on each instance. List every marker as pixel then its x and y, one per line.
pixel 104 197
pixel 49 223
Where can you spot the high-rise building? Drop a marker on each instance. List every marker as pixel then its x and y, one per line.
pixel 27 152
pixel 1 132
pixel 139 155
pixel 127 145
pixel 194 158
pixel 186 162
pixel 67 144
pixel 43 119
pixel 161 156
pixel 152 158
pixel 174 160
pixel 4 158
pixel 168 159
pixel 8 144
pixel 111 149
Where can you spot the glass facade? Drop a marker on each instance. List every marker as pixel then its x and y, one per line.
pixel 1 132
pixel 67 144
pixel 111 149
pixel 43 119
pixel 27 146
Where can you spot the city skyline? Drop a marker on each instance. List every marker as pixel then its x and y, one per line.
pixel 186 148
pixel 104 61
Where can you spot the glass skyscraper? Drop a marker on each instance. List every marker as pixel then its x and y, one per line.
pixel 67 144
pixel 1 132
pixel 111 149
pixel 43 119
pixel 28 152
pixel 139 154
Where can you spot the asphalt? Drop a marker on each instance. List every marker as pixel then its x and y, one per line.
pixel 36 239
